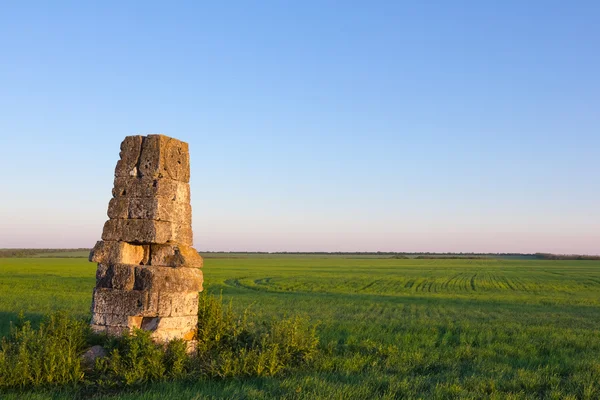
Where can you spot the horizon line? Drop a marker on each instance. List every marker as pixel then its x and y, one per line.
pixel 329 252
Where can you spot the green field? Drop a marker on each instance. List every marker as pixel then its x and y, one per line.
pixel 391 328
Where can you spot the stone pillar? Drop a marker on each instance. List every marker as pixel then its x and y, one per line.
pixel 148 274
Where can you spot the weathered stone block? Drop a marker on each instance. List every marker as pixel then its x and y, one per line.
pixel 118 208
pixel 181 233
pixel 186 323
pixel 161 209
pixel 115 252
pixel 88 359
pixel 186 304
pixel 137 231
pixel 132 187
pixel 98 328
pixel 125 302
pixel 110 330
pixel 103 276
pixel 131 148
pixel 177 304
pixel 153 208
pixel 166 157
pixel 165 335
pixel 127 321
pixel 168 279
pixel 172 255
pixel 115 276
pixel 147 231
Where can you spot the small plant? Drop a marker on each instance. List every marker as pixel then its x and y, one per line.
pixel 176 359
pixel 135 359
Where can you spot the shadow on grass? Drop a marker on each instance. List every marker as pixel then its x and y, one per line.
pixel 6 318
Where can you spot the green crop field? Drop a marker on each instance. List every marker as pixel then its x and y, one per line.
pixel 388 328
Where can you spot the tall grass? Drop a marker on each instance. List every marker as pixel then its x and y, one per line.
pixel 49 355
pixel 227 346
pixel 232 346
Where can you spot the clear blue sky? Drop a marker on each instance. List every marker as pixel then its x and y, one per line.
pixel 374 125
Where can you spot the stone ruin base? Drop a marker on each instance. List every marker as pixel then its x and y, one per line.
pixel 148 274
pixel 133 292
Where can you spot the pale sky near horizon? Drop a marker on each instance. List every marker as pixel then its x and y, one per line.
pixel 313 126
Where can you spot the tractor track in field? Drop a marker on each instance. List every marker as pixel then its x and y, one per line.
pixel 418 286
pixel 369 285
pixel 473 282
pixel 523 286
pixel 263 281
pixel 556 273
pixel 494 282
pixel 505 279
pixel 595 280
pixel 430 285
pixel 238 284
pixel 445 284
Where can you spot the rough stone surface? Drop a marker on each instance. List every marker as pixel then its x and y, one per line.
pixel 131 148
pixel 89 357
pixel 115 276
pixel 178 304
pixel 165 335
pixel 152 208
pixel 139 187
pixel 154 156
pixel 113 252
pixel 148 276
pixel 142 231
pixel 170 255
pixel 121 320
pixel 110 330
pixel 125 302
pixel 168 279
pixel 164 157
pixel 161 209
pixel 186 323
pixel 118 208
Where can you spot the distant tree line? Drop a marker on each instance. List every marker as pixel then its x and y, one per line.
pixel 371 253
pixel 549 256
pixel 449 257
pixel 22 253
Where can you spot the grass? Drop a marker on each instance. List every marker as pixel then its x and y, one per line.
pixel 395 328
pixel 226 346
